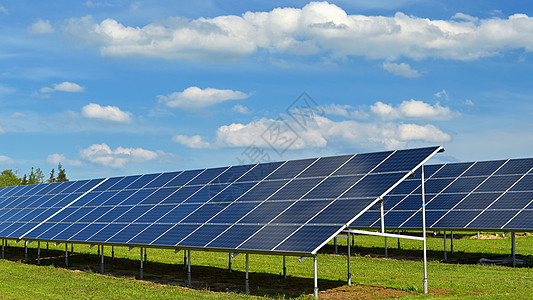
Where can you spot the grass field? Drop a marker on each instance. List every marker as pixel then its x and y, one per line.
pixel 373 276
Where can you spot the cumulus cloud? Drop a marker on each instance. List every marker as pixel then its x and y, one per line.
pixel 285 134
pixel 401 69
pixel 41 27
pixel 317 28
pixel 195 141
pixel 241 109
pixel 429 133
pixel 105 113
pixel 57 158
pixel 66 86
pixel 5 160
pixel 194 97
pixel 413 109
pixel 102 154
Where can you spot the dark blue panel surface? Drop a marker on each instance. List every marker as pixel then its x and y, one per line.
pixel 263 190
pixel 516 166
pixel 498 183
pixel 142 181
pixel 332 187
pixel 162 180
pixel 305 238
pixel 205 213
pixel 174 235
pixel 524 220
pixel 341 211
pixel 265 212
pixel 525 184
pixel 107 184
pixel 296 188
pixel 208 176
pixel 177 213
pixel 404 160
pixel 125 234
pixel 234 236
pixel 291 168
pixel 150 233
pixel 373 185
pixel 183 178
pixel 325 166
pixel 268 237
pixel 464 184
pixel 86 232
pixel 260 171
pixel 456 219
pixel 518 199
pixel 202 236
pixel 233 173
pixel 477 201
pixel 301 212
pixel 234 212
pixel 484 168
pixel 492 219
pixel 452 170
pixel 362 163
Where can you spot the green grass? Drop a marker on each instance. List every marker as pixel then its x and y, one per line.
pixel 166 277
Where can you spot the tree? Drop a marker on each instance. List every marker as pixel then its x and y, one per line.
pixel 24 180
pixel 8 178
pixel 61 174
pixel 52 176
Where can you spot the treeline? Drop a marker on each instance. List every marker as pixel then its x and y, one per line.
pixel 36 176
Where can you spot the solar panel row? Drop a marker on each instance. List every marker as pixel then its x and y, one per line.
pixel 290 207
pixel 487 195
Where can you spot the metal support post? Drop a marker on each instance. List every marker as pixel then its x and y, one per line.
pixel 185 259
pixel 284 268
pixel 189 267
pixel 349 261
pixel 141 274
pixel 229 261
pixel 145 257
pixel 246 284
pixel 398 232
pixel 102 261
pixel 478 235
pixel 112 252
pixel 425 280
pixel 513 249
pixel 72 248
pixel 445 250
pixel 3 249
pixel 386 248
pixel 47 248
pixel 335 244
pixel 315 289
pixel 66 255
pixel 26 252
pixel 98 250
pixel 451 243
pixel 39 253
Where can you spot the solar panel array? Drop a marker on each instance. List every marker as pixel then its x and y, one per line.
pixel 487 195
pixel 290 207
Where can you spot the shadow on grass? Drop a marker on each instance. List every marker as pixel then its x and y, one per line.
pixel 458 257
pixel 203 277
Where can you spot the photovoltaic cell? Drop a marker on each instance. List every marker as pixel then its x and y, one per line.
pixel 293 206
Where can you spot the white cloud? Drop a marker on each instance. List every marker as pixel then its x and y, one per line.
pixel 317 28
pixel 195 141
pixel 194 97
pixel 4 10
pixel 102 154
pixel 2 131
pixel 5 160
pixel 105 113
pixel 469 102
pixel 401 69
pixel 66 86
pixel 442 94
pixel 465 17
pixel 57 158
pixel 241 109
pixel 413 109
pixel 337 109
pixel 429 133
pixel 322 131
pixel 41 27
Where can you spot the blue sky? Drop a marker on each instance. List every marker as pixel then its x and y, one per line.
pixel 128 87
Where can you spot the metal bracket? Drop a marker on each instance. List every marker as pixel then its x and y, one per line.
pixel 234 254
pixel 91 246
pixel 176 251
pixel 57 244
pixel 129 248
pixel 301 259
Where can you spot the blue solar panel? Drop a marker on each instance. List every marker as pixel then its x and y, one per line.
pixel 292 206
pixel 476 196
